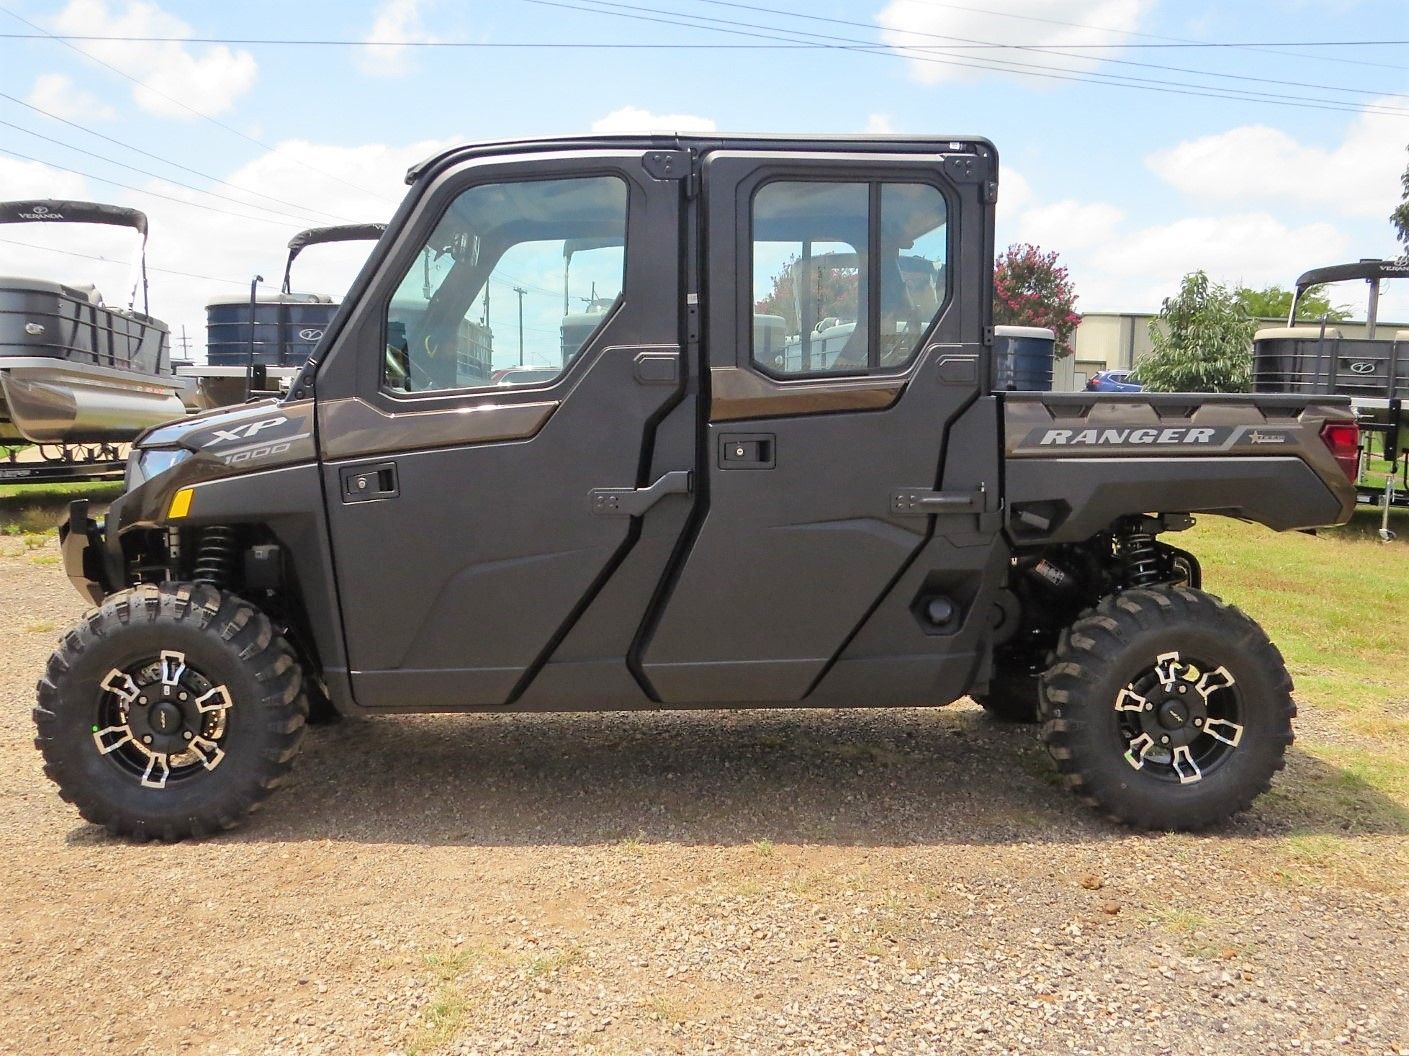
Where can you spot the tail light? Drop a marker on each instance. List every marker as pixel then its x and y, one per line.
pixel 1343 438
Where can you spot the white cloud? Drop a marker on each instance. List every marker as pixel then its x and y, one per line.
pixel 880 124
pixel 1121 262
pixel 61 97
pixel 207 243
pixel 1014 192
pixel 1140 268
pixel 635 119
pixel 1037 23
pixel 208 79
pixel 1252 163
pixel 398 23
pixel 1074 225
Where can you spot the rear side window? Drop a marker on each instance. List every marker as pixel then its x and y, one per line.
pixel 511 284
pixel 847 276
pixel 809 277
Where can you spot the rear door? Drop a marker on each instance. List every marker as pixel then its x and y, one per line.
pixel 841 349
pixel 478 509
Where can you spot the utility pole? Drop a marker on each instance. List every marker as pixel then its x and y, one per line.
pixel 520 291
pixel 185 343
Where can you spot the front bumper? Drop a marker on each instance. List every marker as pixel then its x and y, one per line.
pixel 86 561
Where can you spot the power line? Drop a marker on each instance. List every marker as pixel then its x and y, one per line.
pixel 142 190
pixel 181 103
pixel 1013 66
pixel 254 42
pixel 1168 41
pixel 1003 66
pixel 168 161
pixel 1047 50
pixel 109 260
pixel 156 176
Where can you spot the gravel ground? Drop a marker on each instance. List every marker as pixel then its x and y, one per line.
pixel 891 881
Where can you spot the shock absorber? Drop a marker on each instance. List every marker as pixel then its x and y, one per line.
pixel 1135 547
pixel 215 556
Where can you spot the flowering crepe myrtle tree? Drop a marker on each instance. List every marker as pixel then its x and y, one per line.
pixel 1031 289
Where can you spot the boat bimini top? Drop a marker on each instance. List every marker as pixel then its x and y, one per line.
pixel 317 235
pixel 60 211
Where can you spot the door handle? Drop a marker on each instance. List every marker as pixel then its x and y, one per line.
pixel 368 483
pixel 633 502
pixel 923 502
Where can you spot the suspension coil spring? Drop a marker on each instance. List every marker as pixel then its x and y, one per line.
pixel 1137 552
pixel 215 556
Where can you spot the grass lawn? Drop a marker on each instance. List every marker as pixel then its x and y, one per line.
pixel 29 508
pixel 1337 605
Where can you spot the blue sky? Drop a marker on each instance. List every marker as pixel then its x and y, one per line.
pixel 1132 187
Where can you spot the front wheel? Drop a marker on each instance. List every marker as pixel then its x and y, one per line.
pixel 1167 709
pixel 170 711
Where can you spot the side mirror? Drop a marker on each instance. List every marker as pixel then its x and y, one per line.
pixel 464 249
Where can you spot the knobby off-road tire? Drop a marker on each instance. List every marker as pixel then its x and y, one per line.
pixel 1011 696
pixel 1126 672
pixel 170 711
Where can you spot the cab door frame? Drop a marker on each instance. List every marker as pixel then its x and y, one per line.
pixel 799 551
pixel 492 488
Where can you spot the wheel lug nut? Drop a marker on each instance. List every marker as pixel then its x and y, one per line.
pixel 1183 689
pixel 183 696
pixel 1149 707
pixel 147 739
pixel 187 734
pixel 1164 740
pixel 1198 722
pixel 142 701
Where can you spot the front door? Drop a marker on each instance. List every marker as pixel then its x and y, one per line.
pixel 499 460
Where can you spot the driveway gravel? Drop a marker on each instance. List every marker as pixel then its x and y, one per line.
pixel 889 881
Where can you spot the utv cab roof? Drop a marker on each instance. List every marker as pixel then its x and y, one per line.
pixel 704 143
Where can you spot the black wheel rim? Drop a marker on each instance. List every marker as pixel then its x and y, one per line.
pixel 162 721
pixel 1181 719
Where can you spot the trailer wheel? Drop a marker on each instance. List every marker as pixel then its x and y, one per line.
pixel 1012 695
pixel 170 711
pixel 1167 709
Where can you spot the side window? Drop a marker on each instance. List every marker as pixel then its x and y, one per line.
pixel 815 267
pixel 913 256
pixel 810 278
pixel 513 281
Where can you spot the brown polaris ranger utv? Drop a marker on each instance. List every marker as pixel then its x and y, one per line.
pixel 754 458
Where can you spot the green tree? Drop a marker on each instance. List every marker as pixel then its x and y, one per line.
pixel 1202 341
pixel 1275 302
pixel 1400 217
pixel 1031 289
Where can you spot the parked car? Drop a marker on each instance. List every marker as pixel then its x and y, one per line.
pixel 1114 381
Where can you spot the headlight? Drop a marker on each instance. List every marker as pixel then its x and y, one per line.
pixel 147 462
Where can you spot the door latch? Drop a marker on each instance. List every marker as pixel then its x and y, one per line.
pixel 367 483
pixel 748 451
pixel 633 502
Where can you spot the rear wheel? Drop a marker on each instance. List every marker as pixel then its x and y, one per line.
pixel 170 711
pixel 1167 709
